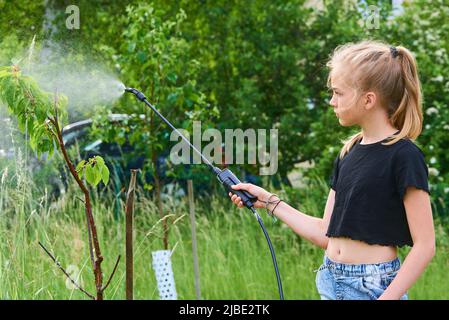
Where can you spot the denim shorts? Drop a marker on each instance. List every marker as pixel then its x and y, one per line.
pixel 340 281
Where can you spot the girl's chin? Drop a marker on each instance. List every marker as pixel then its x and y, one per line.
pixel 344 123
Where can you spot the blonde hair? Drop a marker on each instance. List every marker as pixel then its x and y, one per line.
pixel 392 73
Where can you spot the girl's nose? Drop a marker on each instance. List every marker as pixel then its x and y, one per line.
pixel 333 102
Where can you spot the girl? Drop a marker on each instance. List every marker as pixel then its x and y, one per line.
pixel 379 196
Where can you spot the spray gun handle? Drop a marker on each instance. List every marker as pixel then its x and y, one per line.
pixel 228 179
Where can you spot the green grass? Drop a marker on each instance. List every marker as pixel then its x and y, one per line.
pixel 234 258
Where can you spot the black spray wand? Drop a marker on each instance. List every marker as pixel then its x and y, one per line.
pixel 226 177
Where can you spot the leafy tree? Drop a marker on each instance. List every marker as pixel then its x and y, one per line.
pixel 21 18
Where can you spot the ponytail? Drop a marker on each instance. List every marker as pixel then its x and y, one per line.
pixel 408 116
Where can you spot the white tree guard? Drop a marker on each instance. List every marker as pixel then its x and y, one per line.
pixel 164 275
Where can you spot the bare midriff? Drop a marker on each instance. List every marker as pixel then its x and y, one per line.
pixel 345 250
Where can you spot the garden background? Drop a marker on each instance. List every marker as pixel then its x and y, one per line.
pixel 229 64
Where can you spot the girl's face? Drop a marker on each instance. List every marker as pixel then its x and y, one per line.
pixel 345 102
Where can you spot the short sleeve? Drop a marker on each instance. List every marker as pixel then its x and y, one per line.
pixel 410 169
pixel 334 176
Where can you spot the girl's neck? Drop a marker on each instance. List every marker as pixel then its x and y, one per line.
pixel 373 135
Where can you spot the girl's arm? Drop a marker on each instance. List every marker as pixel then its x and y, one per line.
pixel 419 216
pixel 310 228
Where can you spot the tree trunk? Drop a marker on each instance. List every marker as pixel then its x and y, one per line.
pixel 90 218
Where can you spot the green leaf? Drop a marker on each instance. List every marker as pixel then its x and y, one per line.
pixel 80 166
pixel 101 171
pixel 93 170
pixel 172 97
pixel 97 173
pixel 142 56
pixel 99 160
pixel 105 174
pixel 90 175
pixel 148 186
pixel 172 77
pixel 131 47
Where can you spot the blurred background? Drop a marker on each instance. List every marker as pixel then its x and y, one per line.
pixel 229 64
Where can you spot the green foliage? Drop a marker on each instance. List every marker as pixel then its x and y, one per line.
pixel 31 106
pixel 37 112
pixel 11 46
pixel 94 170
pixel 22 18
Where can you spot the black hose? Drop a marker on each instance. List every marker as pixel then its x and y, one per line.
pixel 273 255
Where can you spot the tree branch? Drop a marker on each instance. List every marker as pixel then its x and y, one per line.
pixel 65 272
pixel 112 274
pixel 80 199
pixel 72 169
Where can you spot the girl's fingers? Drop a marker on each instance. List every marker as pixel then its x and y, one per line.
pixel 237 200
pixel 240 186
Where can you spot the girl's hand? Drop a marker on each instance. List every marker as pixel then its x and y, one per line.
pixel 256 191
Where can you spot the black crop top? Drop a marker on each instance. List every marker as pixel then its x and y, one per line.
pixel 369 183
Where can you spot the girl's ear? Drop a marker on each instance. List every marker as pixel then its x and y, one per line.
pixel 370 100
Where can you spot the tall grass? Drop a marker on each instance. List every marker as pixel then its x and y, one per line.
pixel 234 258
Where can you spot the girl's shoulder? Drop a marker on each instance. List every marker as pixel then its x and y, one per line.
pixel 407 147
pixel 408 151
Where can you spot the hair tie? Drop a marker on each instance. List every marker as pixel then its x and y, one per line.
pixel 394 52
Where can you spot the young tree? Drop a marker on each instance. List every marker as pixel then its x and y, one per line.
pixel 42 115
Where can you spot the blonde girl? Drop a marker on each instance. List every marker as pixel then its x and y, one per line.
pixel 379 196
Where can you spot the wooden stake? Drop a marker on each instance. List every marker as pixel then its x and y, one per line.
pixel 129 235
pixel 194 247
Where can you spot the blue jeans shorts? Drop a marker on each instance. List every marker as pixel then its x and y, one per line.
pixel 339 281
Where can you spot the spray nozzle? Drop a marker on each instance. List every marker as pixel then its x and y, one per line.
pixel 137 93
